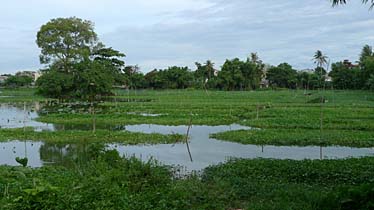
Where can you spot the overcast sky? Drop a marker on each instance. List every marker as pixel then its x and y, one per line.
pixel 162 33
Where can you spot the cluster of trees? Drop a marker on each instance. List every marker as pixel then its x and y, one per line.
pixel 346 75
pixel 79 66
pixel 234 75
pixel 17 80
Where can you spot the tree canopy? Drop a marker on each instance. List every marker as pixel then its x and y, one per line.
pixel 66 41
pixel 78 65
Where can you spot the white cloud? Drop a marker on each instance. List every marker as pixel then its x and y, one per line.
pixel 161 33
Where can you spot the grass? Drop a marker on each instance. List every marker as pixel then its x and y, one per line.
pixel 106 181
pixel 286 117
pixel 300 137
pixel 79 136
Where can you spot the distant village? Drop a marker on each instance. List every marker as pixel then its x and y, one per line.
pixel 21 78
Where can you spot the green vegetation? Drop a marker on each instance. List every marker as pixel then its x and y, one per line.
pixel 121 183
pixel 100 136
pixel 18 81
pixel 282 117
pixel 300 137
pixel 79 65
pixel 19 95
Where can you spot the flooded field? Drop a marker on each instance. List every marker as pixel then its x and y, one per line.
pixel 205 151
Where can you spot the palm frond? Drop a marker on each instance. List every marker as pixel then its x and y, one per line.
pixel 338 2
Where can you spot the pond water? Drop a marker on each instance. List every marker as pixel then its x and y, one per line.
pixel 20 115
pixel 205 151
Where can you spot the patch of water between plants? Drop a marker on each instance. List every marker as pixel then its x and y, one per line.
pixel 205 150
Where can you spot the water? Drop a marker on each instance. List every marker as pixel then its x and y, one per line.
pixel 19 116
pixel 205 151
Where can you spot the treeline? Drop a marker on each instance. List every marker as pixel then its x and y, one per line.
pixel 253 74
pixel 78 65
pixel 346 75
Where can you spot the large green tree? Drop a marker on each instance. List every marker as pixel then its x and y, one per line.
pixel 66 41
pixel 79 66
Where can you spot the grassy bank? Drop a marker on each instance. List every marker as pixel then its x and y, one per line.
pixel 300 137
pixel 107 181
pixel 104 136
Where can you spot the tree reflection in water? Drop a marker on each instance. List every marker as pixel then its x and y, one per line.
pixel 69 155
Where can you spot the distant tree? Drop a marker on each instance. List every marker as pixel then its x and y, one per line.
pixel 321 60
pixel 282 76
pixel 370 82
pixel 155 79
pixel 231 76
pixel 366 52
pixel 66 41
pixel 178 77
pixel 367 70
pixel 18 81
pixel 134 78
pixel 204 74
pixel 344 77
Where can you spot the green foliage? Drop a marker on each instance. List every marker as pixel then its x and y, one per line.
pixel 18 81
pixel 344 77
pixel 103 180
pixel 22 161
pixel 66 41
pixel 80 136
pixel 282 76
pixel 79 66
pixel 345 198
pixel 239 75
pixel 55 84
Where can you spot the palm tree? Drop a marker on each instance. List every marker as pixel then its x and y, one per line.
pixel 337 2
pixel 320 59
pixel 209 65
pixel 254 58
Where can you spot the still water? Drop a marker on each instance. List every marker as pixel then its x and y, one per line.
pixel 205 151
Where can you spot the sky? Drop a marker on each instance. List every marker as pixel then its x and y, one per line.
pixel 162 33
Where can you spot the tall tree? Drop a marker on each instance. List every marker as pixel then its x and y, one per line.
pixel 66 41
pixel 321 60
pixel 366 52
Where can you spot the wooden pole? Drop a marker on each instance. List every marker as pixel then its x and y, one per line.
pixel 188 132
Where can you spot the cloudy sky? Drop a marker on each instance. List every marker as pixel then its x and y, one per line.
pixel 162 33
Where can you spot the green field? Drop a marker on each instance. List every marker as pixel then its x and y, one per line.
pixel 284 117
pixel 103 180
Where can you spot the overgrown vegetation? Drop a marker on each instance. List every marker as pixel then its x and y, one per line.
pixel 103 180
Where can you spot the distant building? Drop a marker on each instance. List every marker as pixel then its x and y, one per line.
pixel 33 74
pixel 264 83
pixel 310 71
pixel 349 64
pixel 3 78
